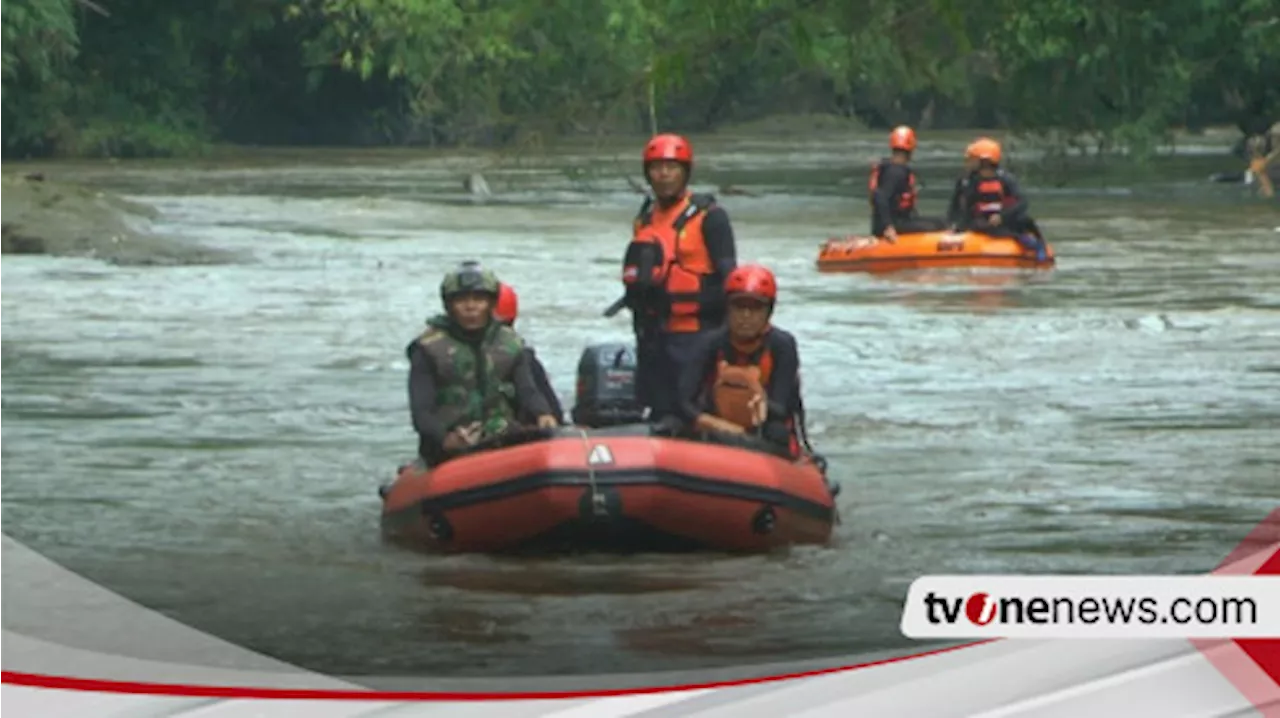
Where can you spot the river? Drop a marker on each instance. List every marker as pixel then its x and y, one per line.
pixel 208 440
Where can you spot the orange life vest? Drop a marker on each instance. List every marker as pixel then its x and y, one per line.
pixel 989 196
pixel 733 390
pixel 741 376
pixel 905 200
pixel 668 261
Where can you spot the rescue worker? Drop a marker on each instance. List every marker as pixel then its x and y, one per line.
pixel 681 251
pixel 505 310
pixel 892 191
pixel 955 208
pixel 745 377
pixel 468 372
pixel 994 204
pixel 1261 150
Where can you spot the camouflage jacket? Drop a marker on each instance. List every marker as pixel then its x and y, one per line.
pixel 474 382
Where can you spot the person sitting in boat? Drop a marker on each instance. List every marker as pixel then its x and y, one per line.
pixel 955 208
pixel 745 376
pixel 892 191
pixel 505 310
pixel 994 204
pixel 468 372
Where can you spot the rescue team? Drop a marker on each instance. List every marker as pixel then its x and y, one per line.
pixel 708 356
pixel 986 199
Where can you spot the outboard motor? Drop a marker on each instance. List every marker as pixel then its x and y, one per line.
pixel 606 390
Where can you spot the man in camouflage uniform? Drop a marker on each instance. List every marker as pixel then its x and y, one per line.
pixel 469 375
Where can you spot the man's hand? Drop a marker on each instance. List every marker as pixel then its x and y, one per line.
pixel 707 422
pixel 890 235
pixel 994 221
pixel 759 407
pixel 462 437
pixel 547 421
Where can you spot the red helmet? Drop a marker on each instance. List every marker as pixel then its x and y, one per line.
pixel 902 138
pixel 752 279
pixel 669 147
pixel 507 306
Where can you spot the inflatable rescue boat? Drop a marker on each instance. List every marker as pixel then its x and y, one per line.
pixel 611 482
pixel 924 250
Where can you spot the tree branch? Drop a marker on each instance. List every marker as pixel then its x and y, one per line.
pixel 90 5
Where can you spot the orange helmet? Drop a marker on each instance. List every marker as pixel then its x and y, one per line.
pixel 669 147
pixel 902 138
pixel 985 149
pixel 754 280
pixel 507 306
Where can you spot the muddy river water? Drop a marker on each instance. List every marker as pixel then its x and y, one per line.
pixel 208 440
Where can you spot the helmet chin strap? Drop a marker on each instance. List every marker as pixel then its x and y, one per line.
pixel 754 339
pixel 669 200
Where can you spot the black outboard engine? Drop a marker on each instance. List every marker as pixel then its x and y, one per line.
pixel 606 391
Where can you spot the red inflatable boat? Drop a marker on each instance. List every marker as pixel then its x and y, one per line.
pixel 618 488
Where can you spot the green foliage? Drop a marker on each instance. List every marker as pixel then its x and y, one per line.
pixel 149 77
pixel 39 43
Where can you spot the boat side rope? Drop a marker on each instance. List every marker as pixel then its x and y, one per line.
pixel 598 506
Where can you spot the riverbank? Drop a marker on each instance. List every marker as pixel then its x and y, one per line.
pixel 1210 140
pixel 66 219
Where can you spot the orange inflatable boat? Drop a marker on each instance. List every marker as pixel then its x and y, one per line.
pixel 612 482
pixel 924 250
pixel 617 488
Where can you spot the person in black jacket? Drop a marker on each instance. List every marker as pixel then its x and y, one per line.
pixel 892 191
pixel 682 248
pixel 994 204
pixel 505 310
pixel 955 208
pixel 745 376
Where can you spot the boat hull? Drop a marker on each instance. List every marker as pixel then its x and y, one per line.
pixel 926 250
pixel 610 490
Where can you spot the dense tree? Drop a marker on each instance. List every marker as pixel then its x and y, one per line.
pixel 158 77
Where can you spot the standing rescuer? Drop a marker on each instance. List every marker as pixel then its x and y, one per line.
pixel 469 374
pixel 681 252
pixel 892 190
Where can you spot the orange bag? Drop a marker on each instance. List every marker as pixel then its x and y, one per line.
pixel 734 388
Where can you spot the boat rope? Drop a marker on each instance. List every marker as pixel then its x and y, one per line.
pixel 598 506
pixel 802 430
